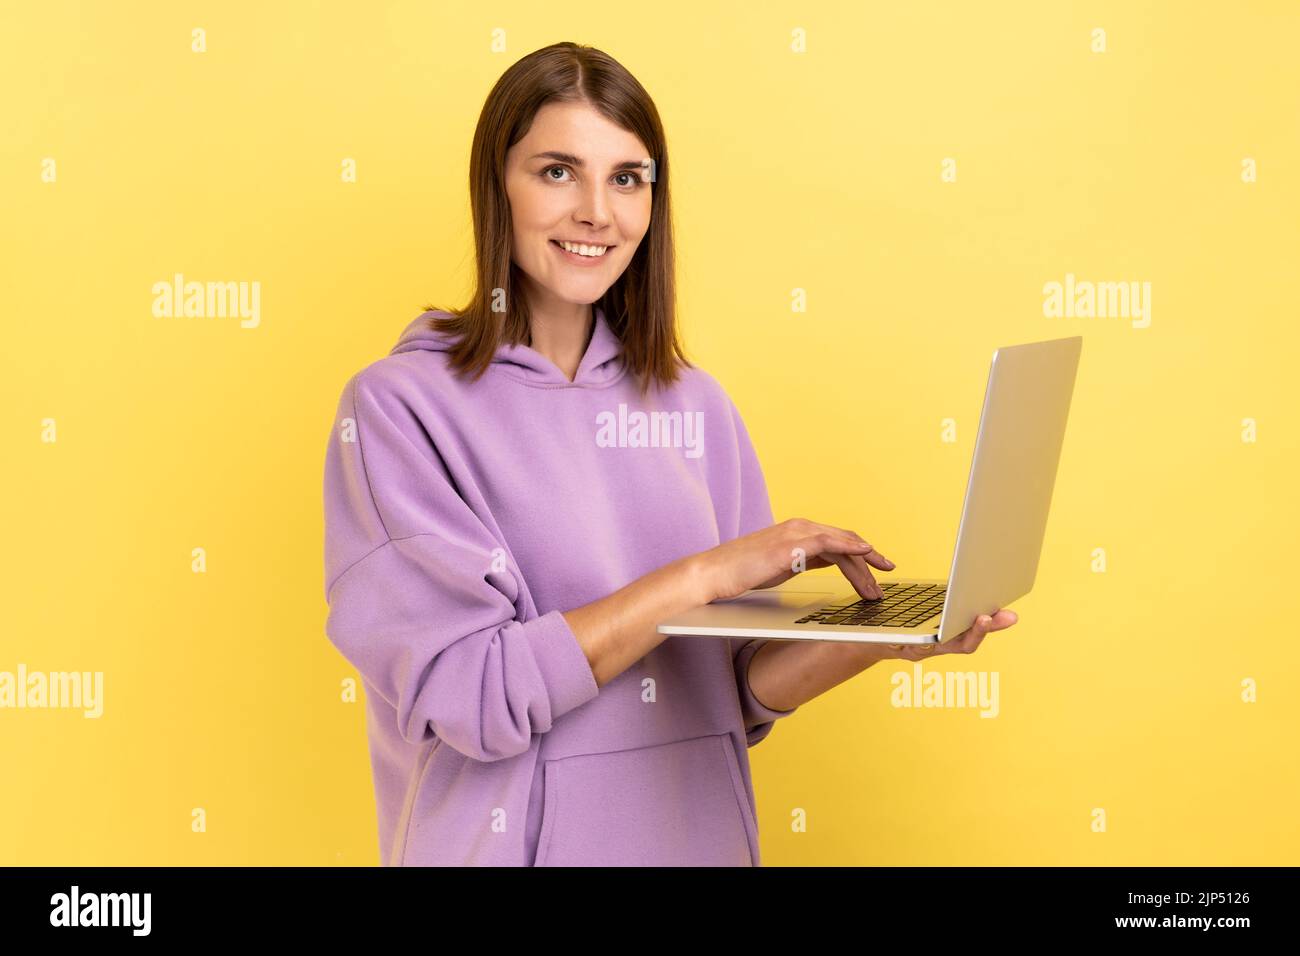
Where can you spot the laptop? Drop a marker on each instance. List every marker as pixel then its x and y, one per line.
pixel 999 538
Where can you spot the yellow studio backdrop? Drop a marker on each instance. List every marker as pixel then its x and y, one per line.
pixel 870 198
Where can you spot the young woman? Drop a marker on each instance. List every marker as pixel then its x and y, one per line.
pixel 503 535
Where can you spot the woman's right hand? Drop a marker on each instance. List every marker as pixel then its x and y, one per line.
pixel 768 557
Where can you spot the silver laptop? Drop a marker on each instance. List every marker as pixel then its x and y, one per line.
pixel 995 561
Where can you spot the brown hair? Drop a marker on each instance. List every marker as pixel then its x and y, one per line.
pixel 640 306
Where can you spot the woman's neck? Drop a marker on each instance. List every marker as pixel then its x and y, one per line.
pixel 562 335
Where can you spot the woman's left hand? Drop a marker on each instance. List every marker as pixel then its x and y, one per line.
pixel 965 643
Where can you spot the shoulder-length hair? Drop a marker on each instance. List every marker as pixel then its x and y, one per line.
pixel 640 306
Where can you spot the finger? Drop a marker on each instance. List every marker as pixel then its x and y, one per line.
pixel 863 569
pixel 833 547
pixel 913 652
pixel 855 571
pixel 873 557
pixel 833 541
pixel 968 640
pixel 878 560
pixel 984 626
pixel 999 621
pixel 866 568
pixel 964 643
pixel 1004 619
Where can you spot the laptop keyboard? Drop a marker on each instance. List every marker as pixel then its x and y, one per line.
pixel 904 605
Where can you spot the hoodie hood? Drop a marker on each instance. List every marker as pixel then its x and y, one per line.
pixel 601 364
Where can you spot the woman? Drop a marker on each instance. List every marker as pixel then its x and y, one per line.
pixel 499 552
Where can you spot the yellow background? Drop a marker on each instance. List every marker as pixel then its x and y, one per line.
pixel 818 171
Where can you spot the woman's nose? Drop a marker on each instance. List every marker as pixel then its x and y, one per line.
pixel 593 204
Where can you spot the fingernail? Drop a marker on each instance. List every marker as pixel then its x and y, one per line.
pixel 891 564
pixel 985 619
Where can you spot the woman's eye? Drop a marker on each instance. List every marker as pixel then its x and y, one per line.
pixel 633 179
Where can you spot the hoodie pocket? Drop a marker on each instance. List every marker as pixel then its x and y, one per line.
pixel 676 804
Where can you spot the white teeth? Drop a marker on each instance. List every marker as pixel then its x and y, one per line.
pixel 582 250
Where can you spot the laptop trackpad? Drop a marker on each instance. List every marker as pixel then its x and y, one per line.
pixel 793 600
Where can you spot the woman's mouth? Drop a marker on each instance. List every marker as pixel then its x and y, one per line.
pixel 582 254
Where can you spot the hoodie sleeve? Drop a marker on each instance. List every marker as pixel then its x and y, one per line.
pixel 422 599
pixel 755 514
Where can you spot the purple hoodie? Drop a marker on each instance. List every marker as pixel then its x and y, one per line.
pixel 460 521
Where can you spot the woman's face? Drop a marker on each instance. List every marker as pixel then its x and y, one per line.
pixel 576 177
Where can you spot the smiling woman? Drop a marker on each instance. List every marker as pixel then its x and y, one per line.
pixel 470 505
pixel 569 192
pixel 571 211
pixel 495 568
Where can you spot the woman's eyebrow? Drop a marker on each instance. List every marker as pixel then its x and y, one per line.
pixel 580 163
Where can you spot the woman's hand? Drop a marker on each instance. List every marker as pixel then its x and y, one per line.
pixel 965 643
pixel 770 556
